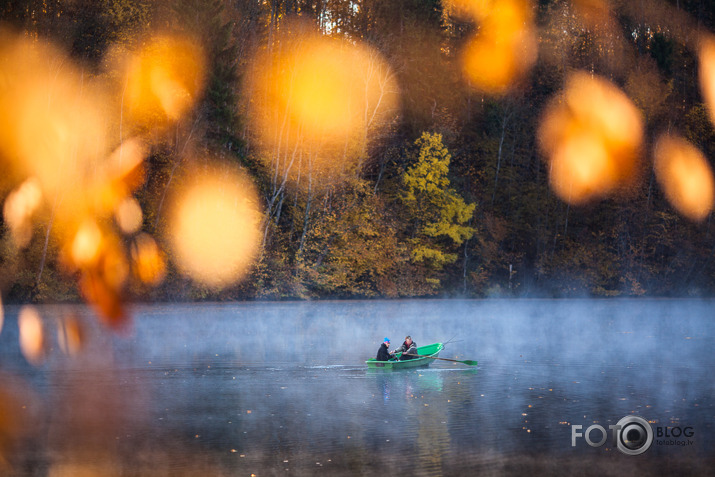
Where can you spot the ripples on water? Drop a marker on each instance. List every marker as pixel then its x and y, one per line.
pixel 281 389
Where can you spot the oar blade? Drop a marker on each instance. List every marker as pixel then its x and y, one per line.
pixel 469 362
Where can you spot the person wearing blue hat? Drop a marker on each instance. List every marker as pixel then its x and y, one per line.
pixel 383 354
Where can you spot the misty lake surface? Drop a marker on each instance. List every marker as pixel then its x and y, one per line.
pixel 282 389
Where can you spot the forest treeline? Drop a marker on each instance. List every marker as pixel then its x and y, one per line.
pixel 446 194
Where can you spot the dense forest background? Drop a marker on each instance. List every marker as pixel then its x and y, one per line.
pixel 449 194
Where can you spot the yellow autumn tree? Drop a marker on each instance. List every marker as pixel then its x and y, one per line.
pixel 439 216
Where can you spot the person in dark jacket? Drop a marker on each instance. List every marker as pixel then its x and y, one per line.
pixel 383 354
pixel 408 349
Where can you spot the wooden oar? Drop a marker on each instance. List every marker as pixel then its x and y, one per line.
pixel 468 362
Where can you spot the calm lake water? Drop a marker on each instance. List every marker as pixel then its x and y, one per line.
pixel 282 389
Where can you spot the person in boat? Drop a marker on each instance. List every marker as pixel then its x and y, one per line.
pixel 383 354
pixel 408 349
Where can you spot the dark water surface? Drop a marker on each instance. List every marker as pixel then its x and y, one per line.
pixel 281 389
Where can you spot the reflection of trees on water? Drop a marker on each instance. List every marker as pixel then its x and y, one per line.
pixel 427 411
pixel 433 438
pixel 418 396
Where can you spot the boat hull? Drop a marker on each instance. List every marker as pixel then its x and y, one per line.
pixel 429 350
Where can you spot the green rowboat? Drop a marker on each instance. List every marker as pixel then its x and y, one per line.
pixel 429 350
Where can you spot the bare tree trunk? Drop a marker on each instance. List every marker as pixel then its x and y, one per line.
pixel 281 167
pixel 504 122
pixel 566 223
pixel 306 218
pixel 121 120
pixel 385 78
pixel 464 268
pixel 272 26
pixel 47 239
pixel 177 163
pixel 383 163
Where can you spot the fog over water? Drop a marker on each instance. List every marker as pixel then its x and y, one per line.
pixel 282 389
